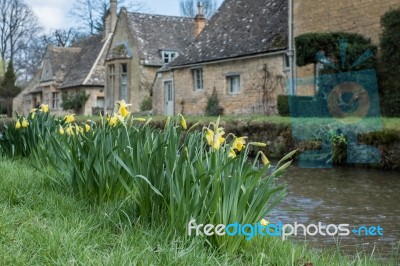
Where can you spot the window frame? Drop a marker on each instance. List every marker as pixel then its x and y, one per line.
pixel 198 79
pixel 123 82
pixel 168 56
pixel 55 100
pixel 229 83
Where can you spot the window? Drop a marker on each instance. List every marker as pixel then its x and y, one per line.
pixel 111 86
pixel 124 82
pixel 168 56
pixel 55 100
pixel 198 78
pixel 286 63
pixel 233 84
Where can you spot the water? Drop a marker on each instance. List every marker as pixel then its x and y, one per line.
pixel 355 196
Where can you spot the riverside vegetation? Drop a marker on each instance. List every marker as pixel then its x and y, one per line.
pixel 119 191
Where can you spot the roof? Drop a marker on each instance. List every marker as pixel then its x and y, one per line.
pixel 57 62
pixel 239 28
pixel 154 33
pixel 88 65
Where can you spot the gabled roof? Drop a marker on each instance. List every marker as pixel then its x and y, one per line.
pixel 88 66
pixel 154 33
pixel 57 62
pixel 239 28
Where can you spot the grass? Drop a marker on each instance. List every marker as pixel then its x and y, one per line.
pixel 42 223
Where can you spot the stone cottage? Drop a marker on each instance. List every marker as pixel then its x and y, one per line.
pixel 141 45
pixel 69 70
pixel 241 54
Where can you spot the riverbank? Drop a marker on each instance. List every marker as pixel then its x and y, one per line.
pixel 42 223
pixel 277 132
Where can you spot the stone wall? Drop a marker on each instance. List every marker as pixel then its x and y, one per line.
pixel 357 16
pixel 257 94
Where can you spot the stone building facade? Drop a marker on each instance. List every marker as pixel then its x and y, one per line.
pixel 68 70
pixel 357 16
pixel 241 53
pixel 141 45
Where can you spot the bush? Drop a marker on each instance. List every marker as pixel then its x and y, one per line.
pixel 390 74
pixel 283 105
pixel 213 108
pixel 75 101
pixel 146 104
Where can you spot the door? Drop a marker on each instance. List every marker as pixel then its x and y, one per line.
pixel 169 98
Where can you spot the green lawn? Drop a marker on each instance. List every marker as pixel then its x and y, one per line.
pixel 41 223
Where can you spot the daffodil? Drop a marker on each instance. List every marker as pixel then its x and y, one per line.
pixel 113 121
pixel 33 112
pixel 264 222
pixel 18 124
pixel 215 139
pixel 87 128
pixel 61 130
pixel 239 143
pixel 258 144
pixel 44 108
pixel 69 130
pixel 24 123
pixel 264 159
pixel 69 118
pixel 122 110
pixel 182 121
pixel 232 153
pixel 78 129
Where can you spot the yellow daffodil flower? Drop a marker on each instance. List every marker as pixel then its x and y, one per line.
pixel 264 222
pixel 69 130
pixel 24 123
pixel 232 154
pixel 78 129
pixel 69 118
pixel 215 139
pixel 264 159
pixel 18 124
pixel 33 112
pixel 44 108
pixel 61 130
pixel 87 128
pixel 239 143
pixel 182 121
pixel 122 110
pixel 113 121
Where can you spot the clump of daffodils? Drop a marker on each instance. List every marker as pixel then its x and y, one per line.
pixel 214 135
pixel 21 122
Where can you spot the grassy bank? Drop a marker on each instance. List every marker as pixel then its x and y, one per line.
pixel 42 223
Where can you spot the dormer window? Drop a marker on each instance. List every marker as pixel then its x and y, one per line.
pixel 167 56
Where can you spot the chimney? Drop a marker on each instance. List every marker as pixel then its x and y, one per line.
pixel 113 11
pixel 111 19
pixel 200 20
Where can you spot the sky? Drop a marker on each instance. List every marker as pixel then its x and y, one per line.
pixel 52 14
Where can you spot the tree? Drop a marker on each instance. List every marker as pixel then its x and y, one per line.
pixel 91 13
pixel 390 66
pixel 8 89
pixel 62 37
pixel 189 7
pixel 19 29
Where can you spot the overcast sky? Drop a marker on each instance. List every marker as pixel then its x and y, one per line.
pixel 52 14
